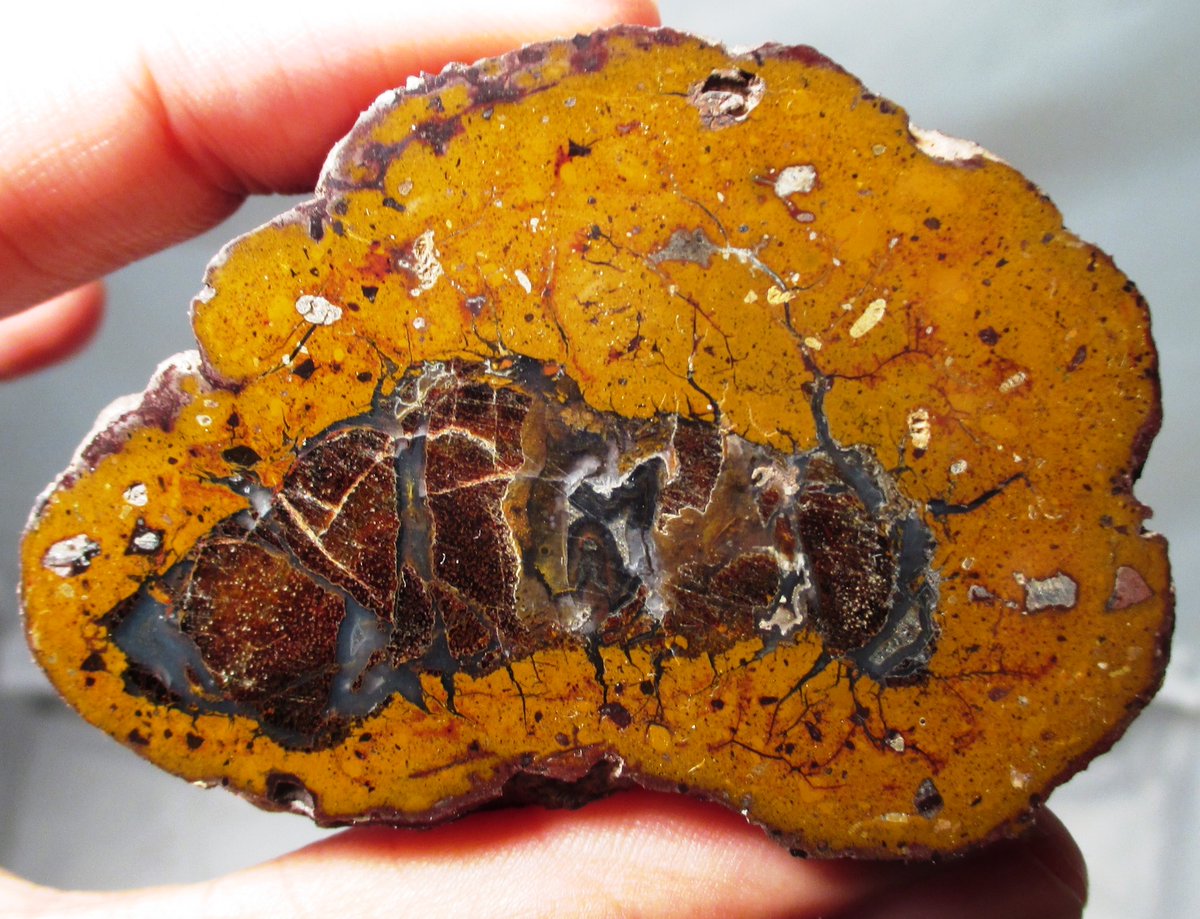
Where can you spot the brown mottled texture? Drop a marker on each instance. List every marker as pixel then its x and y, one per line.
pixel 265 630
pixel 338 515
pixel 855 578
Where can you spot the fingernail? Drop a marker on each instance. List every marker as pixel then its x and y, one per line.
pixel 1032 879
pixel 1052 846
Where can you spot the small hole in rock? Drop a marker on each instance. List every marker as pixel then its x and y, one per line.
pixel 288 792
pixel 726 97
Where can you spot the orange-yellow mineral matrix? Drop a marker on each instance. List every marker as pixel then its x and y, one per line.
pixel 625 412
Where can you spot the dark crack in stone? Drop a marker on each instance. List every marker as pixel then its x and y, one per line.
pixel 449 505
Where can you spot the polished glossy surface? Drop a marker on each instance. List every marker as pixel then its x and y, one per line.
pixel 937 600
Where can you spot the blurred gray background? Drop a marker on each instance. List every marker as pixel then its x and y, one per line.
pixel 1095 101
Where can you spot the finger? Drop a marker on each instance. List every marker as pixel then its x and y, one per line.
pixel 637 854
pixel 112 147
pixel 50 331
pixel 634 854
pixel 1039 876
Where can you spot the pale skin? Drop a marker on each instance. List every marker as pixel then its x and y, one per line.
pixel 111 150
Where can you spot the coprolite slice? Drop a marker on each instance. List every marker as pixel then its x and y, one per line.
pixel 627 412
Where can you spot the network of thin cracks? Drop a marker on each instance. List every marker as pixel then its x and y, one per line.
pixel 492 347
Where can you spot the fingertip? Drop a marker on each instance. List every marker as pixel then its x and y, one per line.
pixel 51 331
pixel 635 853
pixel 1038 875
pixel 186 114
pixel 1051 844
pixel 637 12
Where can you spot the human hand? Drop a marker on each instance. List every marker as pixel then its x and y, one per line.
pixel 634 854
pixel 117 143
pixel 108 153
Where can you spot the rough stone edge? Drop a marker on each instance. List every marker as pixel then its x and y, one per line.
pixel 158 405
pixel 162 400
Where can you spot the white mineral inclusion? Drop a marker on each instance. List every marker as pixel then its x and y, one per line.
pixel 786 618
pixel 66 556
pixel 318 310
pixel 869 319
pixel 948 149
pixel 1056 592
pixel 147 542
pixel 424 263
pixel 919 430
pixel 136 495
pixel 1017 379
pixel 795 180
